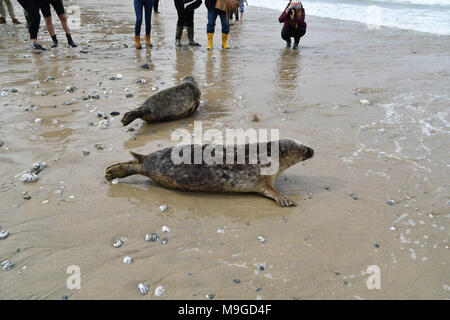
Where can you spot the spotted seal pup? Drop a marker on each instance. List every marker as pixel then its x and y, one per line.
pixel 159 166
pixel 169 104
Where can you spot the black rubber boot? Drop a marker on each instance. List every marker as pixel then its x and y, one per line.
pixel 55 41
pixel 191 37
pixel 288 44
pixel 178 36
pixel 295 46
pixel 70 41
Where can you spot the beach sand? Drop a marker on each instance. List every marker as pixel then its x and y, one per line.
pixel 395 147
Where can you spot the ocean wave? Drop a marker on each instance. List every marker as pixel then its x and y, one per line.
pixel 419 2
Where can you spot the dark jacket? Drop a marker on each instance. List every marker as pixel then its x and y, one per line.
pixel 299 21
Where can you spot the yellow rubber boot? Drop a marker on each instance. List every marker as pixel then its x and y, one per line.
pixel 225 41
pixel 210 40
pixel 137 42
pixel 147 41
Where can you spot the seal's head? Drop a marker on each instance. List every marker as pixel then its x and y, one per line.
pixel 190 79
pixel 129 117
pixel 292 152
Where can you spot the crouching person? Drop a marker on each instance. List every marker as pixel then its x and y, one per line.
pixel 294 26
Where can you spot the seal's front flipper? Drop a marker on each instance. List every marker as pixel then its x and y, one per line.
pixel 122 170
pixel 281 200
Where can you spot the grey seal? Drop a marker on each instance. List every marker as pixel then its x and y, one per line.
pixel 169 104
pixel 247 177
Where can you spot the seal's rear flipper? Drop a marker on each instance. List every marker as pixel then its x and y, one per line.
pixel 138 157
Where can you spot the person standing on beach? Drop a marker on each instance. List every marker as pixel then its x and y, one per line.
pixel 139 6
pixel 241 8
pixel 10 10
pixel 235 13
pixel 46 13
pixel 294 26
pixel 185 11
pixel 213 12
pixel 155 6
pixel 32 9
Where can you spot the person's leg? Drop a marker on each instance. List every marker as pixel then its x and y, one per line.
pixel 2 13
pixel 212 16
pixel 63 18
pixel 155 6
pixel 51 30
pixel 35 18
pixel 241 10
pixel 59 8
pixel 27 17
pixel 138 9
pixel 190 26
pixel 224 22
pixel 298 33
pixel 179 5
pixel 148 5
pixel 46 13
pixel 225 29
pixel 286 36
pixel 11 12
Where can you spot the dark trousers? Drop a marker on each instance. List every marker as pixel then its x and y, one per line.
pixel 236 14
pixel 185 17
pixel 32 9
pixel 212 17
pixel 139 6
pixel 291 32
pixel 155 5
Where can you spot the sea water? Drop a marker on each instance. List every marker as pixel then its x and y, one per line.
pixel 432 16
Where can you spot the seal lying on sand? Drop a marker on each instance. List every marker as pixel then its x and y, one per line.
pixel 169 104
pixel 247 177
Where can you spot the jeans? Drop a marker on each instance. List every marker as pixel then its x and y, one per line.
pixel 212 17
pixel 139 5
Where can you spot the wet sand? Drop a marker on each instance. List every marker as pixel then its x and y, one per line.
pixel 394 148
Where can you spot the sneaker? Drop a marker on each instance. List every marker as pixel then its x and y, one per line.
pixel 295 46
pixel 288 44
pixel 37 47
